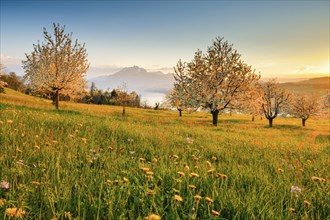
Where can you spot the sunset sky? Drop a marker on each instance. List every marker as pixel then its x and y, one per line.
pixel 278 38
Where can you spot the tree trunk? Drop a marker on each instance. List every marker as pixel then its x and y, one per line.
pixel 215 114
pixel 270 122
pixel 123 110
pixel 303 122
pixel 57 99
pixel 252 117
pixel 180 112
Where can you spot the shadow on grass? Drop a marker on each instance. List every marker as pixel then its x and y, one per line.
pixel 290 127
pixel 57 111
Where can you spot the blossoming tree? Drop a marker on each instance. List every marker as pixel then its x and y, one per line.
pixel 57 66
pixel 213 80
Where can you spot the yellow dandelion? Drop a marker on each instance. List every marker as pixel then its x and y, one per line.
pixel 37 136
pixel 37 147
pixel 149 173
pixel 292 210
pixel 178 198
pixel 306 203
pixel 181 173
pixel 309 161
pixel 208 199
pixel 214 158
pixel 314 178
pixel 280 170
pixel 194 175
pixel 84 140
pixel 215 213
pixel 155 160
pixel 223 176
pixel 110 148
pixel 175 156
pixel 192 187
pixel 35 183
pixel 125 179
pixel 15 212
pixel 2 202
pixel 145 169
pixel 116 181
pixel 150 193
pixel 208 163
pixel 109 181
pixel 198 197
pixel 142 159
pixel 210 171
pixel 187 167
pixel 153 217
pixel 9 121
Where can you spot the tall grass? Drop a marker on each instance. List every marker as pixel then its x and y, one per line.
pixel 89 162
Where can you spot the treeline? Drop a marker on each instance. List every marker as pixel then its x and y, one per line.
pixel 113 97
pixel 94 95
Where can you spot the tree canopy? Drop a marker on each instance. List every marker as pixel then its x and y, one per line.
pixel 215 79
pixel 57 66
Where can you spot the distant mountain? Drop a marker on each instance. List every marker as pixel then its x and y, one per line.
pixel 317 86
pixel 137 79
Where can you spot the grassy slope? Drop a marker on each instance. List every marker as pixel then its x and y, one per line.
pixel 53 173
pixel 314 86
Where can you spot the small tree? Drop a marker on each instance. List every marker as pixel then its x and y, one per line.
pixel 2 83
pixel 304 106
pixel 57 66
pixel 252 102
pixel 213 80
pixel 123 97
pixel 273 99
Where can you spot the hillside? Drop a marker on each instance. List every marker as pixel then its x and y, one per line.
pixel 87 161
pixel 317 86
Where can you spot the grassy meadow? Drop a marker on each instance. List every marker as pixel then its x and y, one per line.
pixel 90 162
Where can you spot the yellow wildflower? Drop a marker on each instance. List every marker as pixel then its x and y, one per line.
pixel 15 212
pixel 280 170
pixel 181 173
pixel 214 158
pixel 178 198
pixel 35 183
pixel 2 202
pixel 153 217
pixel 194 175
pixel 223 176
pixel 208 163
pixel 175 156
pixel 292 210
pixel 84 140
pixel 186 167
pixel 150 193
pixel 9 121
pixel 307 203
pixel 145 169
pixel 208 199
pixel 125 179
pixel 192 187
pixel 314 178
pixel 198 197
pixel 142 159
pixel 149 173
pixel 210 171
pixel 116 181
pixel 215 213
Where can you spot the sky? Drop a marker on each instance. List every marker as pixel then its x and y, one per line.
pixel 277 38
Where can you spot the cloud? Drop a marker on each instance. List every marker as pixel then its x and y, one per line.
pixel 303 69
pixel 99 70
pixel 10 61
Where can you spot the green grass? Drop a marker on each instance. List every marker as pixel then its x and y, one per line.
pixel 53 174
